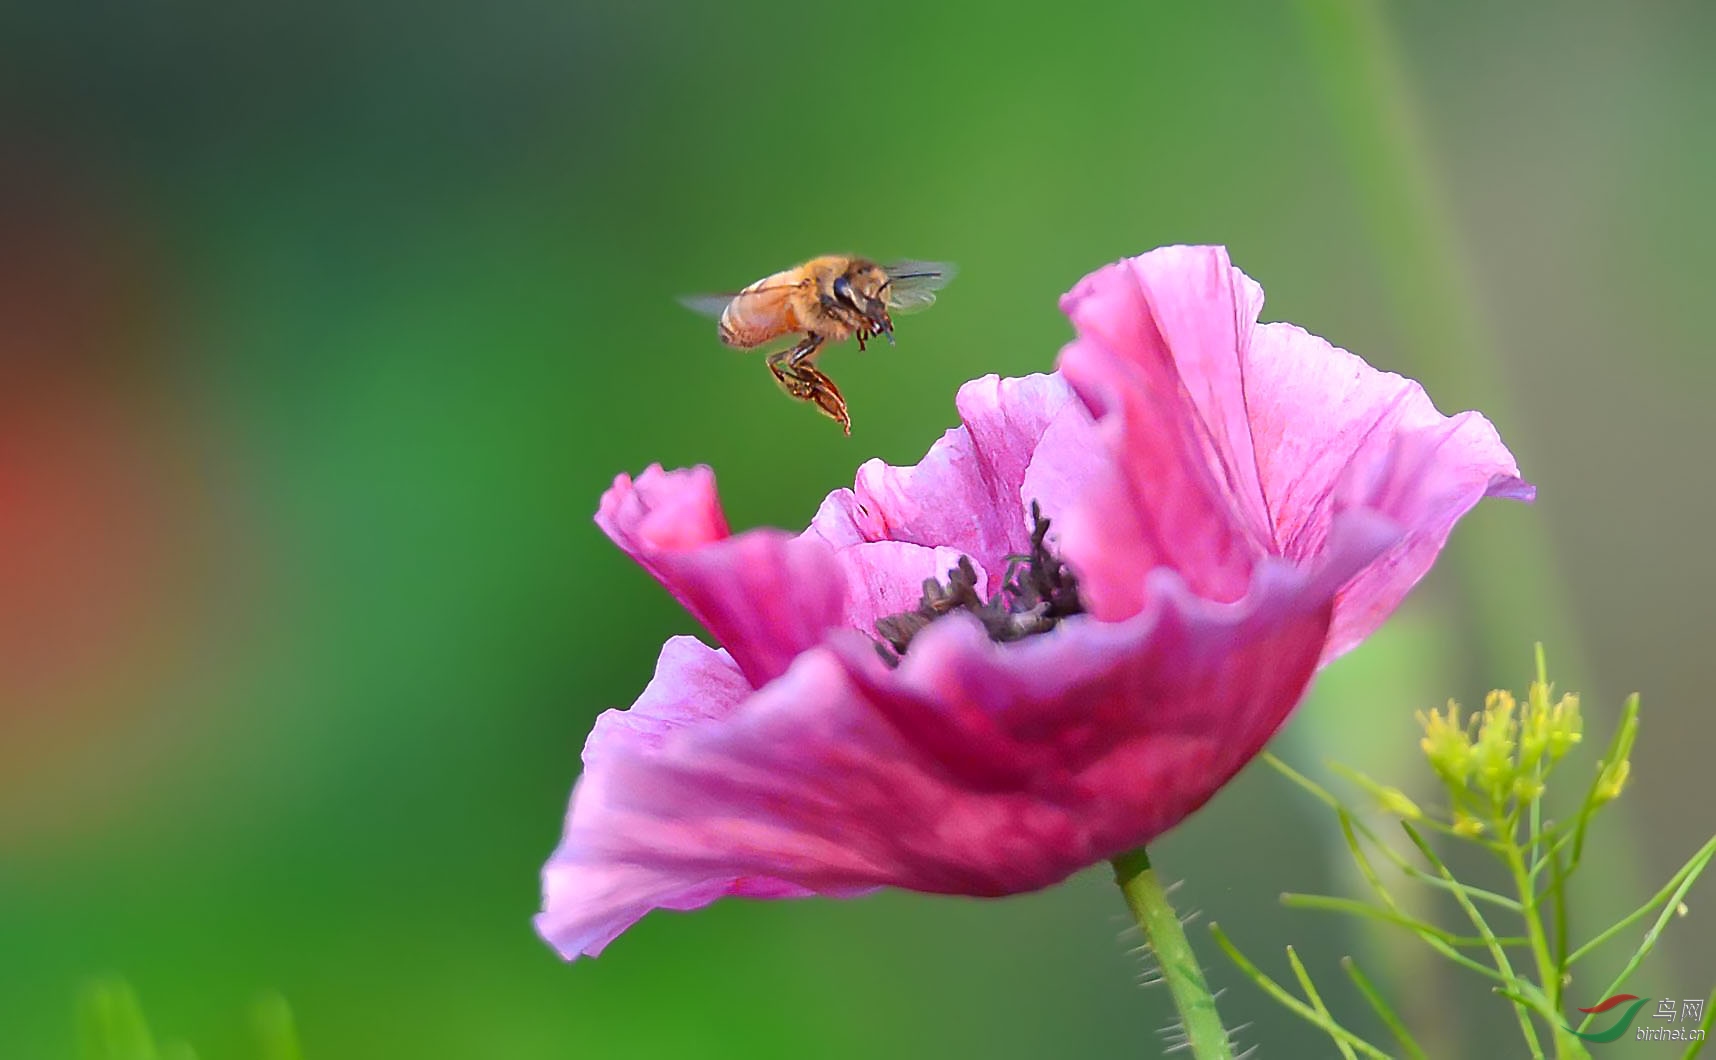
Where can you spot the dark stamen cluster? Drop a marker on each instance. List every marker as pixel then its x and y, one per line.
pixel 1037 591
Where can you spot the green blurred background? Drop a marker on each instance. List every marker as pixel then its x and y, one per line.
pixel 322 328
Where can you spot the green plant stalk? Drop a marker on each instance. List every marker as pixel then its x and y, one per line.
pixel 1670 908
pixel 1320 1020
pixel 1412 655
pixel 1316 999
pixel 1383 1010
pixel 1497 954
pixel 1364 910
pixel 1352 827
pixel 1671 893
pixel 1558 892
pixel 1549 970
pixel 1148 900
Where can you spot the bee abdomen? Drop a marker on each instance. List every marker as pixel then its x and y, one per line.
pixel 735 330
pixel 746 323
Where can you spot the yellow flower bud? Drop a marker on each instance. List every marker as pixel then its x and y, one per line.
pixel 1467 825
pixel 1537 696
pixel 1447 744
pixel 1612 781
pixel 1528 788
pixel 1566 727
pixel 1613 777
pixel 1398 803
pixel 1492 754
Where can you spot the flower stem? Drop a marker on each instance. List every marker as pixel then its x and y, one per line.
pixel 1148 900
pixel 1549 970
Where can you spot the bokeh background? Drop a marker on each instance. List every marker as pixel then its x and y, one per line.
pixel 323 326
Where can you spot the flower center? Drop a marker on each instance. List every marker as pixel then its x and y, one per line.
pixel 1037 591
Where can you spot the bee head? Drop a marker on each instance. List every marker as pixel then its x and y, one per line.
pixel 864 288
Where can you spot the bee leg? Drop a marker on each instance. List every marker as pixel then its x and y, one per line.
pixel 804 381
pixel 804 351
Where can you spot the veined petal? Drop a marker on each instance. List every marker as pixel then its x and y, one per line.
pixel 1334 434
pixel 964 494
pixel 1203 311
pixel 587 900
pixel 1153 501
pixel 1160 363
pixel 887 577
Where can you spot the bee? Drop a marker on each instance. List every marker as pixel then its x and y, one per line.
pixel 823 301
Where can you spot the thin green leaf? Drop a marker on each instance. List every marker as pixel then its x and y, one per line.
pixel 1352 824
pixel 1534 837
pixel 1671 892
pixel 1279 993
pixel 1497 954
pixel 1366 869
pixel 1515 996
pixel 1350 828
pixel 1557 896
pixel 1562 840
pixel 1392 916
pixel 1316 790
pixel 1316 999
pixel 1620 745
pixel 1648 943
pixel 1442 828
pixel 1383 1010
pixel 1387 899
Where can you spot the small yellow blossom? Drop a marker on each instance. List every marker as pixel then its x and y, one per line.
pixel 1467 825
pixel 1612 781
pixel 1528 788
pixel 1492 754
pixel 1566 727
pixel 1447 744
pixel 1398 803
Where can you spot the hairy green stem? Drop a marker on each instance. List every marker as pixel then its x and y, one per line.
pixel 1148 900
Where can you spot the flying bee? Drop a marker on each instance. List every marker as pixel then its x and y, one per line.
pixel 823 301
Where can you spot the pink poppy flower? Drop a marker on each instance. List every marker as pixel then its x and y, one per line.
pixel 1047 643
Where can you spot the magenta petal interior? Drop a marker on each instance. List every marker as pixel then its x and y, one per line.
pixel 972 769
pixel 764 594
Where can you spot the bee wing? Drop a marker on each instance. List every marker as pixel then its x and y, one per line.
pixel 709 305
pixel 913 284
pixel 713 305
